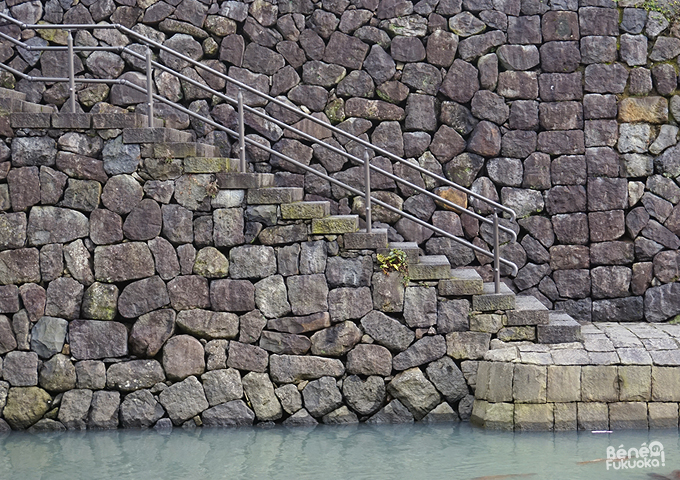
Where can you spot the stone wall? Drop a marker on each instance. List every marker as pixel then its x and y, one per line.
pixel 138 292
pixel 561 110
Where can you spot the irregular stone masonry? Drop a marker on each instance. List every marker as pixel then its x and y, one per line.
pixel 562 112
pixel 108 228
pixel 622 376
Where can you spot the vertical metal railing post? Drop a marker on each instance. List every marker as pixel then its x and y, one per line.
pixel 149 85
pixel 496 254
pixel 71 73
pixel 241 134
pixel 367 187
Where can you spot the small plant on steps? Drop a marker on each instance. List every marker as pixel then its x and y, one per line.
pixel 395 260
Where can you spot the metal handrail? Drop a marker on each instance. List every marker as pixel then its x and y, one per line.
pixel 242 139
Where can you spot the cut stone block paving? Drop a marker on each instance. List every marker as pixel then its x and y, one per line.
pixel 430 267
pixel 274 195
pixel 335 224
pixel 490 301
pixel 528 311
pixel 154 135
pixel 463 281
pixel 561 328
pixel 240 181
pixel 305 210
pixel 362 240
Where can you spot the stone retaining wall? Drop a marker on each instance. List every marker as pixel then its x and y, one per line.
pixel 528 397
pixel 562 110
pixel 136 292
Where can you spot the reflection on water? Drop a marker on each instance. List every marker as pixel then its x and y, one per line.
pixel 326 452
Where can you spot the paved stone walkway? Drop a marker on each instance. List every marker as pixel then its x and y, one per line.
pixel 605 343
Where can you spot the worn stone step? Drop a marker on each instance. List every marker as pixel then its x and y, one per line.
pixel 9 93
pixel 179 150
pixel 490 301
pixel 242 181
pixel 210 165
pixel 363 240
pixel 154 135
pixel 30 120
pixel 528 311
pixel 305 210
pixel 430 267
pixel 275 195
pixel 107 121
pixel 335 225
pixel 561 328
pixel 463 281
pixel 411 249
pixel 82 121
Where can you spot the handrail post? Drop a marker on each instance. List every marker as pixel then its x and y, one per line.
pixel 241 134
pixel 367 189
pixel 496 254
pixel 149 85
pixel 71 73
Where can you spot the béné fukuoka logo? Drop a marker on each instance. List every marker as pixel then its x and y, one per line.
pixel 647 456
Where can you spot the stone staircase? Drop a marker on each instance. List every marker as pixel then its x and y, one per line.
pixel 168 151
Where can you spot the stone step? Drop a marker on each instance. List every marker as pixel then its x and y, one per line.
pixel 30 120
pixel 78 121
pixel 305 210
pixel 210 165
pixel 8 93
pixel 335 225
pixel 411 249
pixel 179 150
pixel 463 281
pixel 275 195
pixel 561 328
pixel 243 181
pixel 528 311
pixel 430 267
pixel 155 135
pixel 363 240
pixel 107 121
pixel 490 301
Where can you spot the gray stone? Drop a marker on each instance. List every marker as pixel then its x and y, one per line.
pixel 252 261
pixel 142 296
pixel 260 391
pixel 413 390
pixel 134 375
pixel 183 356
pixel 184 400
pixel 93 339
pixel 140 410
pixel 422 351
pixel 90 374
pixel 247 357
pixel 271 297
pixel 57 374
pixel 336 340
pixel 230 414
pixel 64 297
pixel 291 368
pixel 75 405
pixel 321 396
pixel 55 225
pixel 47 336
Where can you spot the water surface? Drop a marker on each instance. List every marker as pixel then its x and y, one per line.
pixel 453 451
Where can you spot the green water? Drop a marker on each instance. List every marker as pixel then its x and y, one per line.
pixel 454 451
